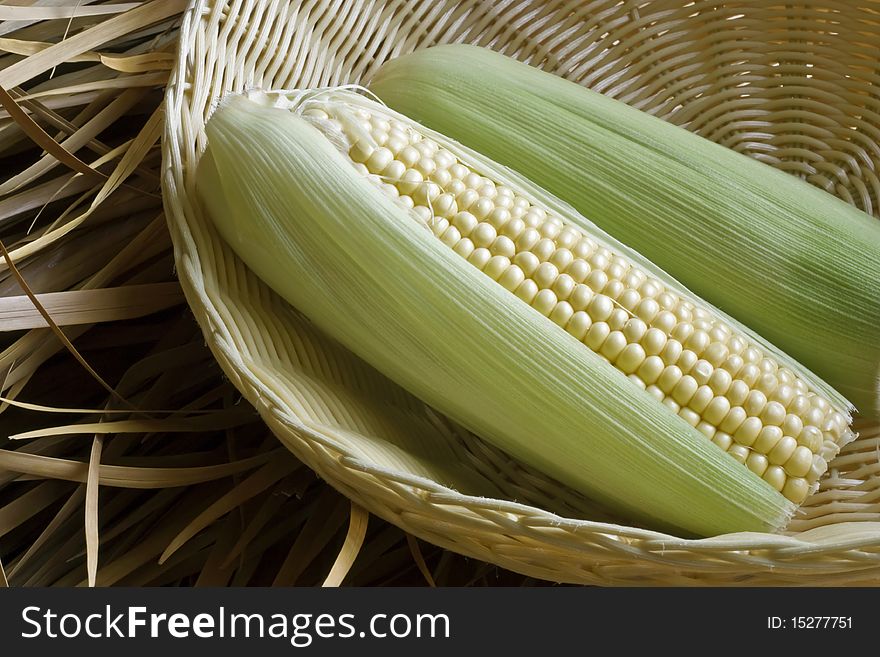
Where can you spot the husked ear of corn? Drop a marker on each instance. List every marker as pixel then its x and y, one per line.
pixel 797 265
pixel 499 306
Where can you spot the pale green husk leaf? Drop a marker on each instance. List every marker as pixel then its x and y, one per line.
pixel 796 264
pixel 368 274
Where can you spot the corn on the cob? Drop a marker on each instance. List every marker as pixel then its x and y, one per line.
pixel 479 293
pixel 797 265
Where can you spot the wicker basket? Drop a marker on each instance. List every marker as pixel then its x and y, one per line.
pixel 794 84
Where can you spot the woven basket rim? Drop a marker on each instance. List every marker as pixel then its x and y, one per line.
pixel 848 549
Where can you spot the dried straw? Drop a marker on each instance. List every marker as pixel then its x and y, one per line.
pixel 125 457
pixel 137 463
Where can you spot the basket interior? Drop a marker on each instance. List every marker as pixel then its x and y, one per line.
pixel 794 86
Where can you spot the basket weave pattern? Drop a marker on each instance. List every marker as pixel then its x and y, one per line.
pixel 796 86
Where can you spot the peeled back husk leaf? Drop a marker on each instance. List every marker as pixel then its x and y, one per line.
pixel 369 272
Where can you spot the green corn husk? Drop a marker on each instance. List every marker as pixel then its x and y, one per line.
pixel 799 266
pixel 367 273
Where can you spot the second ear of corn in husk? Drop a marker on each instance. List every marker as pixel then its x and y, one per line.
pixel 494 303
pixel 794 263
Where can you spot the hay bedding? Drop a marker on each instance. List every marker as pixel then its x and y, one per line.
pixel 192 489
pixel 126 457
